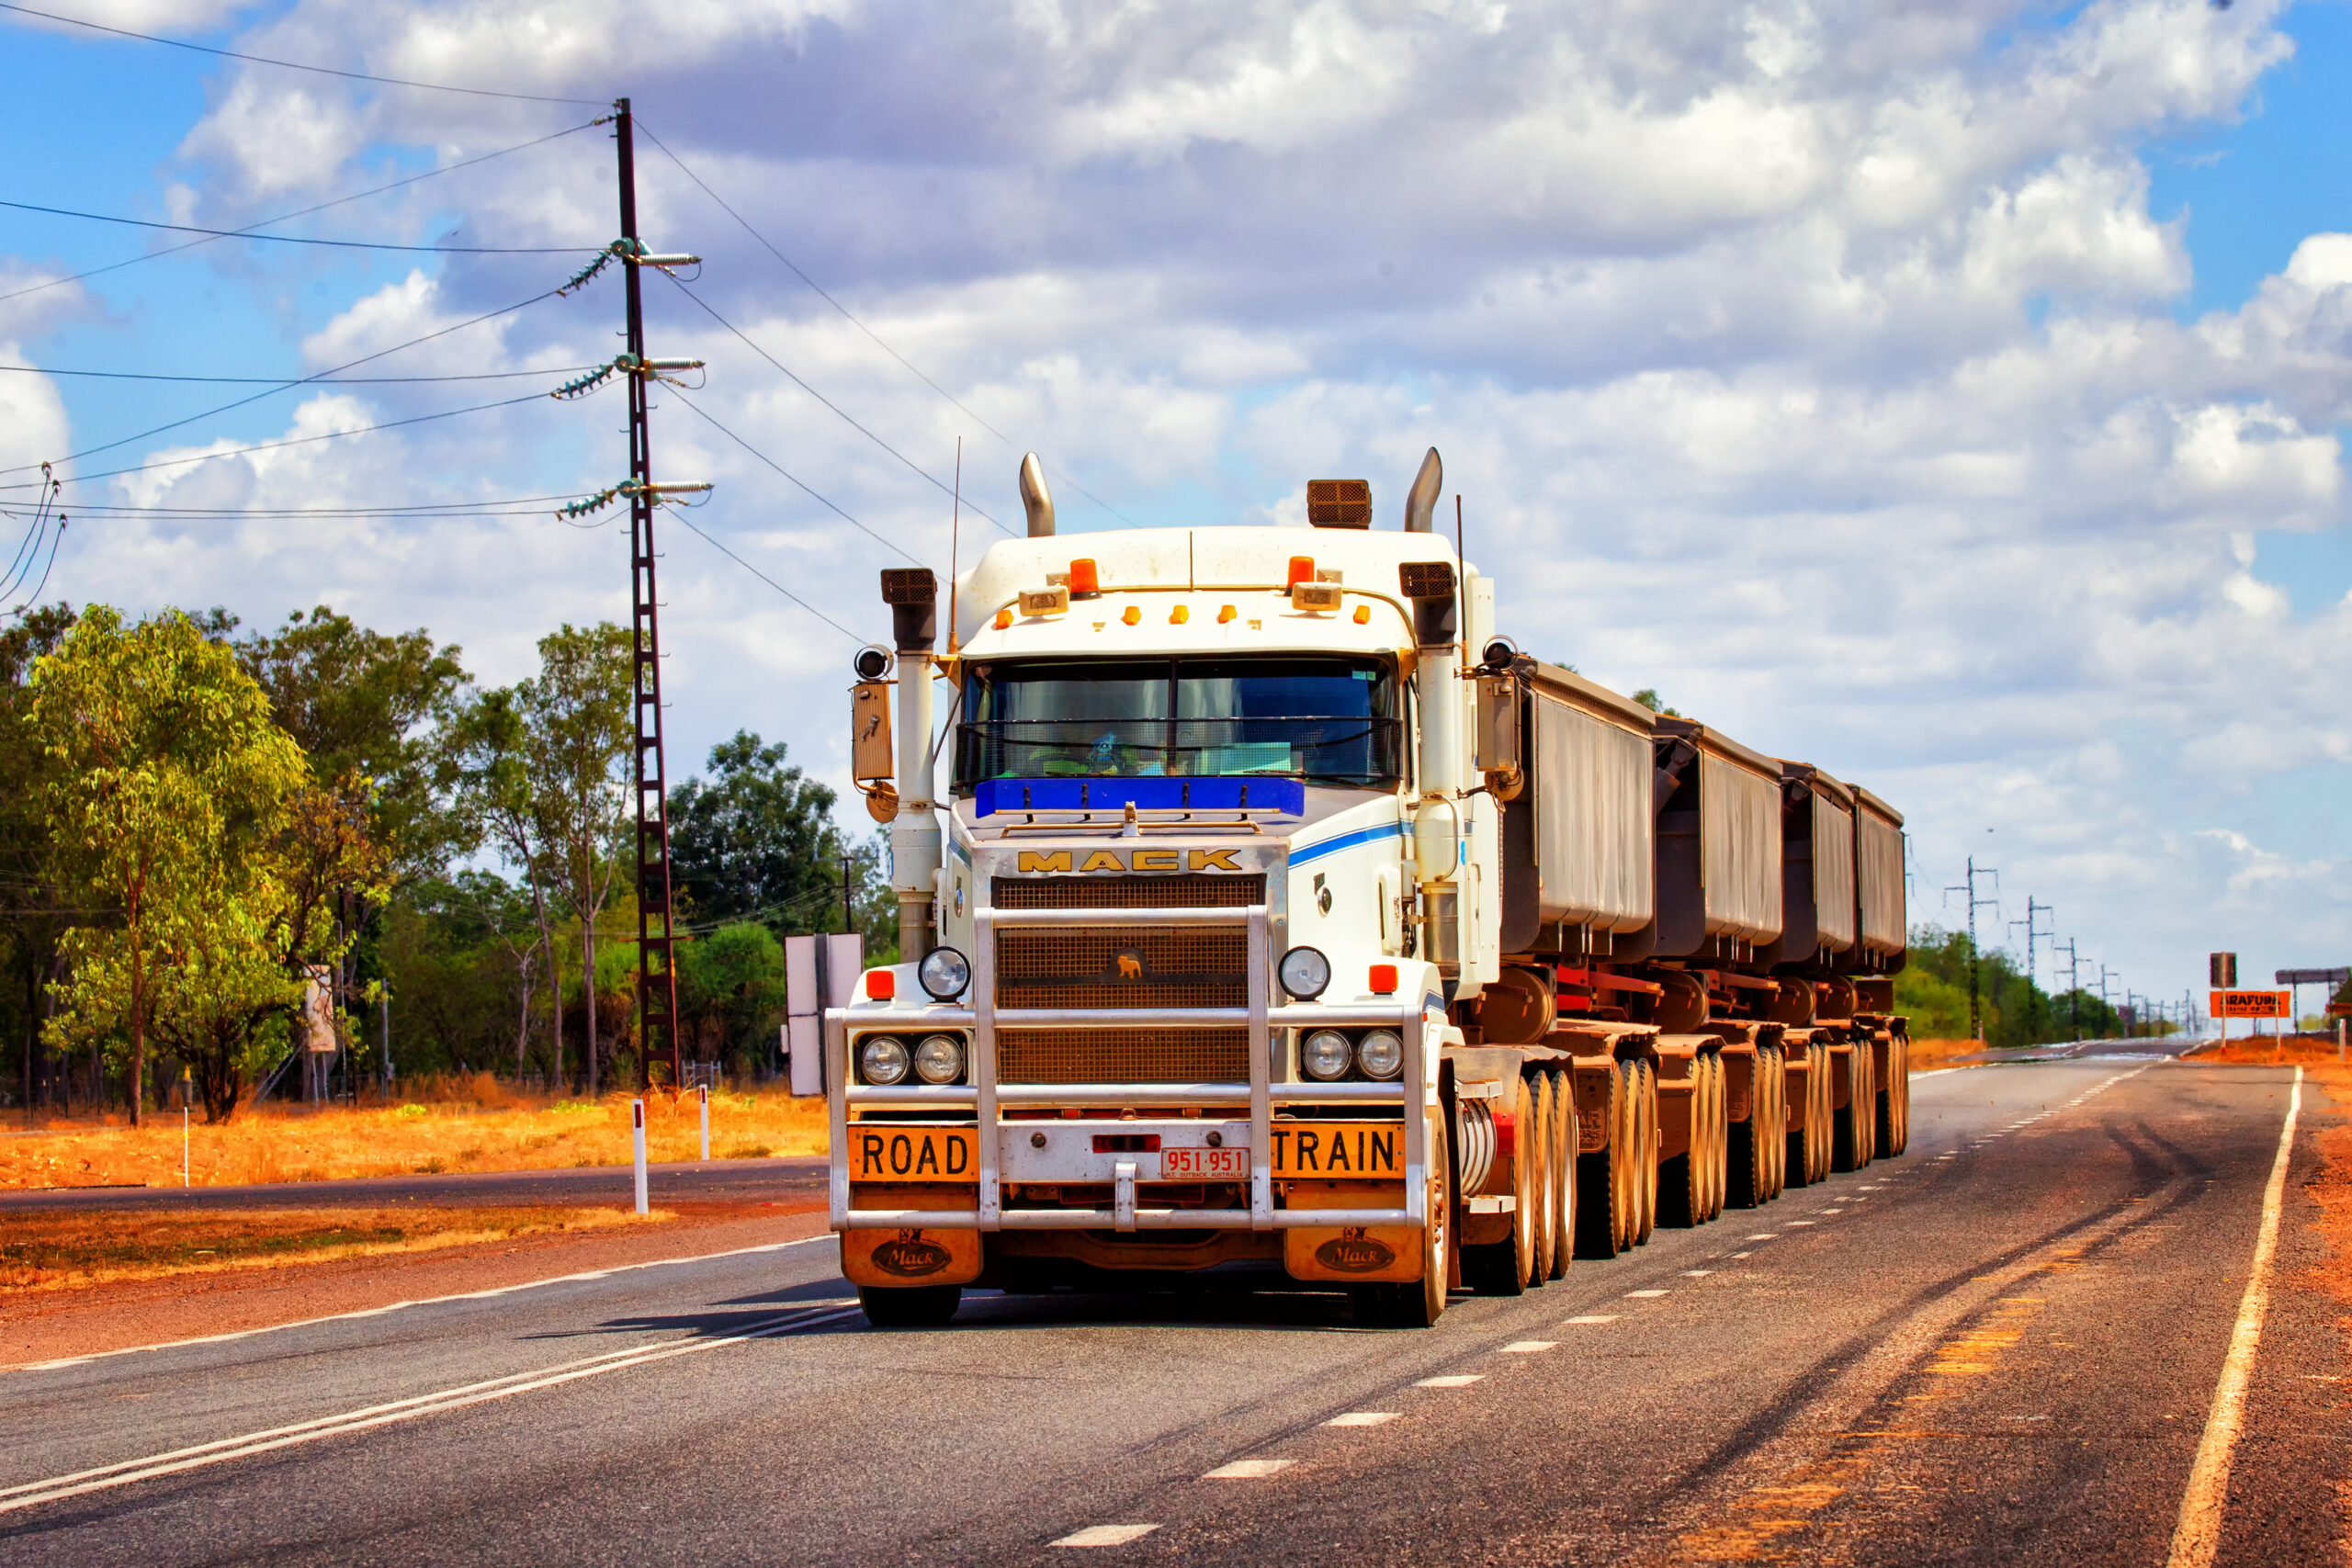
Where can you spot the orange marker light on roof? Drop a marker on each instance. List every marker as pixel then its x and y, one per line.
pixel 1383 979
pixel 1180 614
pixel 1003 619
pixel 1301 569
pixel 1225 615
pixel 1131 614
pixel 1363 614
pixel 1083 582
pixel 881 985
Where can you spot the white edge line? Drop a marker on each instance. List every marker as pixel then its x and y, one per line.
pixel 63 1361
pixel 61 1487
pixel 2199 1534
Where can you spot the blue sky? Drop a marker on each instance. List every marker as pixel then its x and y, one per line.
pixel 1928 395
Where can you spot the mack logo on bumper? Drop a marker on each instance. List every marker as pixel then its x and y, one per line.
pixel 1132 860
pixel 910 1257
pixel 1353 1252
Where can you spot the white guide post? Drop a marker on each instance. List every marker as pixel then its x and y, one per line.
pixel 636 1137
pixel 182 1142
pixel 702 1092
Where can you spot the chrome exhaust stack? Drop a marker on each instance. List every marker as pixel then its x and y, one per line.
pixel 1035 498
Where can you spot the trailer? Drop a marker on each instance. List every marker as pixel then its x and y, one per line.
pixel 1276 911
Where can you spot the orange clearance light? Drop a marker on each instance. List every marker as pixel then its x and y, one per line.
pixel 1133 615
pixel 1003 619
pixel 1225 615
pixel 881 985
pixel 1180 614
pixel 1383 979
pixel 1363 614
pixel 1301 569
pixel 1083 582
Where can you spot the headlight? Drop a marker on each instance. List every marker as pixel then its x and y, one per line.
pixel 1380 1054
pixel 945 972
pixel 1304 973
pixel 882 1059
pixel 1325 1054
pixel 939 1059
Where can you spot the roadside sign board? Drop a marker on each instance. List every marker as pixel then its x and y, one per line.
pixel 2223 970
pixel 2250 1004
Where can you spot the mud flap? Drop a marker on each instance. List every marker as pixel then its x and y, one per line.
pixel 911 1256
pixel 1350 1254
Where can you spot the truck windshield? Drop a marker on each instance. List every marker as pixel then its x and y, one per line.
pixel 1323 719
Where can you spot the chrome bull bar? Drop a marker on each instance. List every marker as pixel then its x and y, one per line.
pixel 984 1097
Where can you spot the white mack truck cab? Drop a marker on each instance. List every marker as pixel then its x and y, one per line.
pixel 1185 924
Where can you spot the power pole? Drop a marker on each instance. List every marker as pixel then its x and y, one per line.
pixel 2033 978
pixel 2074 988
pixel 657 979
pixel 2103 999
pixel 1975 1008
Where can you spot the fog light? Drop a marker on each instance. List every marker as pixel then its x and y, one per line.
pixel 882 1060
pixel 1380 1054
pixel 1325 1054
pixel 939 1059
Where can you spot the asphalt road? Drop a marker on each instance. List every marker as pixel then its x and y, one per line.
pixel 2000 1347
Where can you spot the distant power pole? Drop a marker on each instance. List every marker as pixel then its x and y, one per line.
pixel 1976 1004
pixel 2074 988
pixel 2032 978
pixel 2103 999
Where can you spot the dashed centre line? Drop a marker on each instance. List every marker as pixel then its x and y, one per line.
pixel 1592 1318
pixel 1246 1470
pixel 1527 1347
pixel 1106 1535
pixel 1642 1296
pixel 1451 1379
pixel 1362 1418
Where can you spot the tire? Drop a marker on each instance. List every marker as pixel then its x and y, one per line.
pixel 1418 1304
pixel 1547 1198
pixel 908 1306
pixel 1903 1101
pixel 1564 1172
pixel 1797 1142
pixel 1502 1267
pixel 1777 1151
pixel 1748 1167
pixel 1682 1180
pixel 1824 1120
pixel 1601 1184
pixel 1718 1136
pixel 1851 1148
pixel 1894 1099
pixel 1646 1152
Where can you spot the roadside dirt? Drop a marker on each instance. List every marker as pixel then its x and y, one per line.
pixel 41 1325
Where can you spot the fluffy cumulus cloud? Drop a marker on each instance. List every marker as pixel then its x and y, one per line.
pixel 1820 365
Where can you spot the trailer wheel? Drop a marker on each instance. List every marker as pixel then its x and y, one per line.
pixel 1851 1148
pixel 1547 1200
pixel 1823 1121
pixel 1645 1143
pixel 1501 1268
pixel 1564 1173
pixel 908 1306
pixel 1892 1097
pixel 1748 1173
pixel 1602 1190
pixel 1718 1136
pixel 1776 1152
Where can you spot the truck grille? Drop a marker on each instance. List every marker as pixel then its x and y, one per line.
pixel 1170 967
pixel 1126 891
pixel 1122 1055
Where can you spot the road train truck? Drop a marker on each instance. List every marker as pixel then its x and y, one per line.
pixel 1280 908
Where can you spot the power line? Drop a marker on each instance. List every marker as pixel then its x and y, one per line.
pixel 771 582
pixel 304 212
pixel 515 506
pixel 291 64
pixel 923 473
pixel 912 369
pixel 781 469
pixel 307 440
pixel 304 381
pixel 303 240
pixel 281 381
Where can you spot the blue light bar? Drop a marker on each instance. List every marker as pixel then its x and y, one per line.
pixel 1285 796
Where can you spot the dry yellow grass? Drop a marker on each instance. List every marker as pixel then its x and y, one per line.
pixel 73 1251
pixel 468 1124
